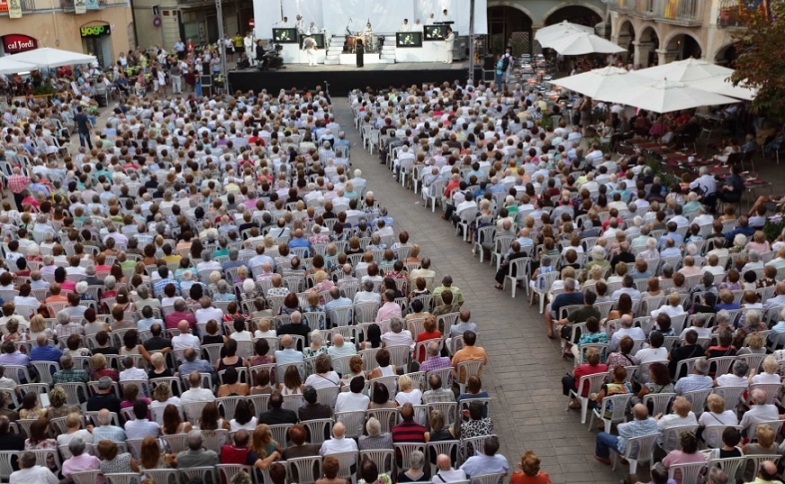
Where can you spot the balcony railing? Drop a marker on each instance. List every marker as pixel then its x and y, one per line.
pixel 729 14
pixel 687 13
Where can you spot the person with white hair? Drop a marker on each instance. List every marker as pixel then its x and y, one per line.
pixel 760 410
pixel 705 184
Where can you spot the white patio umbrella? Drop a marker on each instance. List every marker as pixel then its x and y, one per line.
pixel 11 66
pixel 666 96
pixel 580 43
pixel 560 29
pixel 687 70
pixel 722 85
pixel 49 57
pixel 601 84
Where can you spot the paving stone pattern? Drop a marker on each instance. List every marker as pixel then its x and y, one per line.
pixel 525 370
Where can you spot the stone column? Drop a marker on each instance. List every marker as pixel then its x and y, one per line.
pixel 641 56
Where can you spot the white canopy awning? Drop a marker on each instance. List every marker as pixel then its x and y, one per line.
pixel 560 29
pixel 11 66
pixel 580 43
pixel 666 96
pixel 48 57
pixel 601 84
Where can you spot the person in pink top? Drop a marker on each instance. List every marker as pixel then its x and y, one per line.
pixel 687 455
pixel 80 460
pixel 389 309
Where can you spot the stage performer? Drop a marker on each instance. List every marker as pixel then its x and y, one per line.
pixel 260 54
pixel 248 43
pixel 360 52
pixel 445 16
pixel 284 24
pixel 405 27
pixel 312 29
pixel 449 41
pixel 309 44
pixel 299 24
pixel 368 36
pixel 430 20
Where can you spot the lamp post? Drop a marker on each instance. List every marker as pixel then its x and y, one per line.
pixel 471 40
pixel 221 44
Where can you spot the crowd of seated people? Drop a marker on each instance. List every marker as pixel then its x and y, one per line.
pixel 669 299
pixel 217 287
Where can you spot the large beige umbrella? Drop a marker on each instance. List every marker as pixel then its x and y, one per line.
pixel 667 96
pixel 580 43
pixel 560 29
pixel 601 84
pixel 48 57
pixel 722 85
pixel 702 75
pixel 11 66
pixel 687 70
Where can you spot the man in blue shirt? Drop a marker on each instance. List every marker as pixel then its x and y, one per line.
pixel 44 352
pixel 677 238
pixel 777 330
pixel 569 297
pixel 160 284
pixel 192 364
pixel 300 242
pixel 488 462
pixel 642 425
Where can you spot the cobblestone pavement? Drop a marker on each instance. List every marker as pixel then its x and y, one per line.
pixel 525 370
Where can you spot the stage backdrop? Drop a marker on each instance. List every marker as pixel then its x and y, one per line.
pixel 385 15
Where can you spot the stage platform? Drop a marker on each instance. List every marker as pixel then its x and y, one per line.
pixel 343 78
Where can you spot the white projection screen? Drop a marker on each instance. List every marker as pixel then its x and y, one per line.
pixel 385 15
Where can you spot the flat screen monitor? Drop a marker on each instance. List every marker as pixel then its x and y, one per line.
pixel 408 39
pixel 435 32
pixel 285 36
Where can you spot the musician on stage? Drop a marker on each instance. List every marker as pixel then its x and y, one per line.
pixel 405 27
pixel 449 42
pixel 299 24
pixel 248 44
pixel 312 29
pixel 260 61
pixel 309 44
pixel 368 36
pixel 417 27
pixel 284 24
pixel 445 16
pixel 430 20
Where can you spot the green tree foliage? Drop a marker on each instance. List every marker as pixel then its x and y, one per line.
pixel 761 62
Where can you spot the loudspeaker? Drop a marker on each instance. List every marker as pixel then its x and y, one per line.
pixel 487 63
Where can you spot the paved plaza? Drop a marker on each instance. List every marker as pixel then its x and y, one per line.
pixel 525 370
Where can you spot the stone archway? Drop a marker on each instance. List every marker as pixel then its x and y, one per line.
pixel 726 55
pixel 626 36
pixel 509 25
pixel 646 46
pixel 681 45
pixel 574 12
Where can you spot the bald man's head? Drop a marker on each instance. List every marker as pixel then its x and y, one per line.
pixel 338 340
pixel 339 430
pixel 183 326
pixel 287 341
pixel 640 411
pixel 443 462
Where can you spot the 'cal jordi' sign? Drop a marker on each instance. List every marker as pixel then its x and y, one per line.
pixel 14 43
